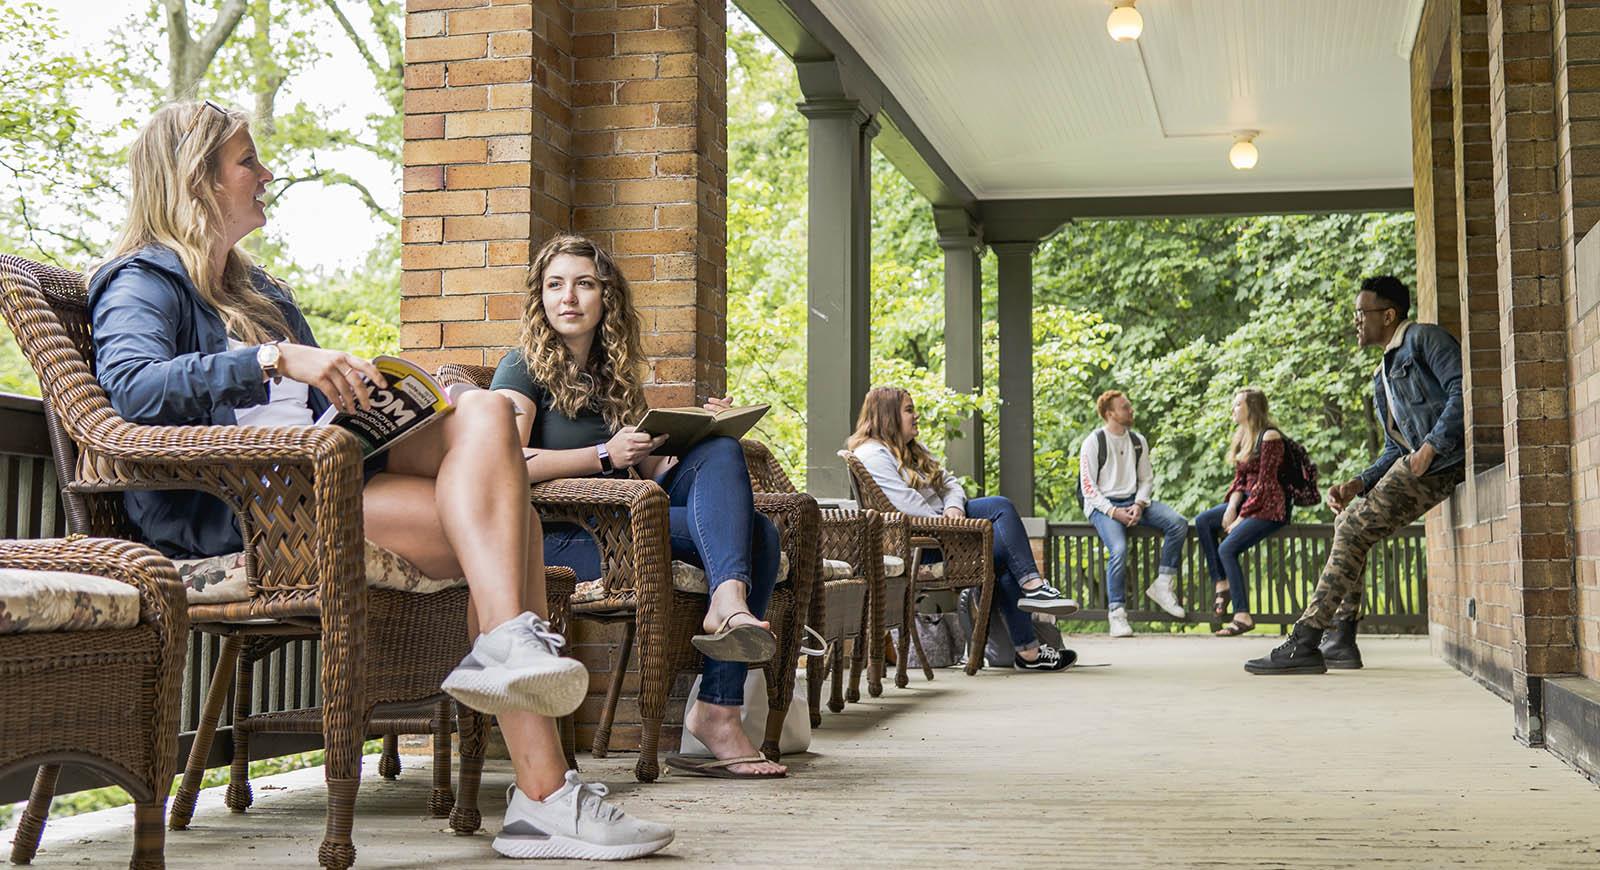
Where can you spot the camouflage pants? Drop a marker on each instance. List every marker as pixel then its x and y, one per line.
pixel 1397 500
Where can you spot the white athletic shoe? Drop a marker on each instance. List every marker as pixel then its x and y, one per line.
pixel 519 666
pixel 1161 593
pixel 575 822
pixel 1119 623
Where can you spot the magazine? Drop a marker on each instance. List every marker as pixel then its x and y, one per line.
pixel 686 427
pixel 412 401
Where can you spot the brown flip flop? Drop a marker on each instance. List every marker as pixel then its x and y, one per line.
pixel 705 765
pixel 746 643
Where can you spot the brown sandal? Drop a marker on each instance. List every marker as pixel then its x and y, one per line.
pixel 1234 629
pixel 746 643
pixel 1219 605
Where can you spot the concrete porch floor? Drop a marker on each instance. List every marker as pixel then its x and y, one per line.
pixel 1171 757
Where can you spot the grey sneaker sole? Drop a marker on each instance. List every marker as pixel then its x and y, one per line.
pixel 1054 607
pixel 563 847
pixel 552 693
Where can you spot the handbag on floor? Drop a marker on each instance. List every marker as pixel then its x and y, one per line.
pixel 796 735
pixel 942 640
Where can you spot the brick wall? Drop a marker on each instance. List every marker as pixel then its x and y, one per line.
pixel 1577 28
pixel 528 118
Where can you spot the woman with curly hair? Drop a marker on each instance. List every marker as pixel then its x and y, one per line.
pixel 189 332
pixel 576 374
pixel 886 442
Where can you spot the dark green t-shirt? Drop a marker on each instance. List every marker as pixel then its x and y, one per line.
pixel 552 430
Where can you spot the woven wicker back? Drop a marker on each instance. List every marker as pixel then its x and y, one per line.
pixel 48 312
pixel 866 490
pixel 766 473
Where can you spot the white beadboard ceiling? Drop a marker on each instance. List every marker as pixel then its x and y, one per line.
pixel 1031 98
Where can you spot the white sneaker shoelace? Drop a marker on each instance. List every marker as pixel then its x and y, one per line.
pixel 538 630
pixel 590 798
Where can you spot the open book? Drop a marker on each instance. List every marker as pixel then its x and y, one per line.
pixel 686 427
pixel 412 401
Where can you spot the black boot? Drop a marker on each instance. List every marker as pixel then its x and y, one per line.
pixel 1339 645
pixel 1297 655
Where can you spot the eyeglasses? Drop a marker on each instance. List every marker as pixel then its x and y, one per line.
pixel 1362 312
pixel 195 121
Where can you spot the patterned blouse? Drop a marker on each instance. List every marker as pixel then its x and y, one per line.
pixel 1257 478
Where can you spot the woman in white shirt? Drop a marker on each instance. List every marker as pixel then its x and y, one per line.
pixel 885 441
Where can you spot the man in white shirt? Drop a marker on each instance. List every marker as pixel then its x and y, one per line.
pixel 1115 482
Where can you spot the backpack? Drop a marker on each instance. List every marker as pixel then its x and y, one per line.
pixel 1100 442
pixel 1298 474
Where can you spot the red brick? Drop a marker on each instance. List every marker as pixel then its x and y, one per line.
pixel 442 203
pixel 487 176
pixel 442 308
pixel 456 256
pixel 446 48
pixel 421 230
pixel 422 178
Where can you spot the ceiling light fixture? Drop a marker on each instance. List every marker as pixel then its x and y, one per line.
pixel 1243 155
pixel 1125 23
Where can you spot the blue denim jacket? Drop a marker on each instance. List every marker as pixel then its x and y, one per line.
pixel 1425 370
pixel 161 353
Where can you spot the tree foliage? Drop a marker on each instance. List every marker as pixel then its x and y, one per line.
pixel 1179 313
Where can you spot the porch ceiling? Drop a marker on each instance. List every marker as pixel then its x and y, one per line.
pixel 1032 98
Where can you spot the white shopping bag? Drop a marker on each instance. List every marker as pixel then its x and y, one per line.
pixel 796 735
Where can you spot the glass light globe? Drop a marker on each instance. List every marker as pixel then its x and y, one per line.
pixel 1243 154
pixel 1125 24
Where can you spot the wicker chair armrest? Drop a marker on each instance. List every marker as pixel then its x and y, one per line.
pixel 966 544
pixel 296 489
pixel 896 534
pixel 161 596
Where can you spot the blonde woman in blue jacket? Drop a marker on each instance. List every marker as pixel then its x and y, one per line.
pixel 188 331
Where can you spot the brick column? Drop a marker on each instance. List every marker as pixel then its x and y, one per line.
pixel 1530 253
pixel 1577 26
pixel 1475 239
pixel 650 141
pixel 1434 171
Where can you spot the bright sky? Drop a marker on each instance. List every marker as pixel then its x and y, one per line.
pixel 320 226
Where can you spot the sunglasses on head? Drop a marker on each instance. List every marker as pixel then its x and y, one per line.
pixel 195 121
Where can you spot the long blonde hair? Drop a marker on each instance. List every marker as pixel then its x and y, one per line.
pixel 174 164
pixel 1256 421
pixel 609 380
pixel 880 421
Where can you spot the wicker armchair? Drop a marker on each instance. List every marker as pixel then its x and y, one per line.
pixel 107 699
pixel 967 547
pixel 856 538
pixel 297 494
pixel 628 520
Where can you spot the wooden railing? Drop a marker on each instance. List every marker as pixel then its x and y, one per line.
pixel 1281 570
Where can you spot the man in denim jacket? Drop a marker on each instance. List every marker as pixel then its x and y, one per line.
pixel 1417 393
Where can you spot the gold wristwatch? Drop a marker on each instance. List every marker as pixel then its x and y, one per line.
pixel 268 355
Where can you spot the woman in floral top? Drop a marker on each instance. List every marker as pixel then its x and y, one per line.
pixel 1255 507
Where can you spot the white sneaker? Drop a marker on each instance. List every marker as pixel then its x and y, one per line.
pixel 1161 593
pixel 519 666
pixel 575 822
pixel 1119 623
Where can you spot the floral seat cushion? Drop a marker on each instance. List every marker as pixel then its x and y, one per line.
pixel 894 566
pixel 33 601
pixel 685 578
pixel 221 579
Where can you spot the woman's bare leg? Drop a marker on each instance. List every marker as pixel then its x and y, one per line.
pixel 405 511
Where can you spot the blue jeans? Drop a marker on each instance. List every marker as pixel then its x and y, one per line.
pixel 714 526
pixel 1013 564
pixel 1115 536
pixel 1223 559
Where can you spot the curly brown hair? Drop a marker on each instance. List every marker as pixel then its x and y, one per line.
pixel 609 380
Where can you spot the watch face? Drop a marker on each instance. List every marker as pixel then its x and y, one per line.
pixel 268 355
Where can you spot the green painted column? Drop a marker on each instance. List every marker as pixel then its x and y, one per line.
pixel 1016 372
pixel 838 276
pixel 963 333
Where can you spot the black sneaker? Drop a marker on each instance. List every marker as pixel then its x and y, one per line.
pixel 1297 655
pixel 1050 659
pixel 1046 599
